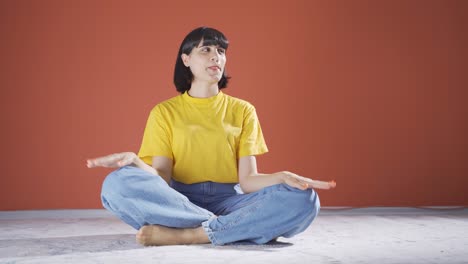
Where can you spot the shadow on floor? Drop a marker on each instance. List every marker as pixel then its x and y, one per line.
pixel 249 246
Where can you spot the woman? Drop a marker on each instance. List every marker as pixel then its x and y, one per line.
pixel 200 144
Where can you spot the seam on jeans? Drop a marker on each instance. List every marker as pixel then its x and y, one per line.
pixel 243 214
pixel 211 232
pixel 137 215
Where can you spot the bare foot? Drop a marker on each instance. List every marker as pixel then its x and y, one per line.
pixel 156 235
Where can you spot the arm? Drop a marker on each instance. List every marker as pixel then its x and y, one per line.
pixel 137 162
pixel 162 166
pixel 251 181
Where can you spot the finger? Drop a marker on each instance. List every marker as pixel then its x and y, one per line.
pixel 89 163
pixel 125 161
pixel 108 160
pixel 301 185
pixel 299 182
pixel 122 159
pixel 121 163
pixel 94 163
pixel 322 185
pixel 97 162
pixel 307 180
pixel 293 183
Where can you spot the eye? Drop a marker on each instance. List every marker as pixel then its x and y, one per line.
pixel 221 51
pixel 205 49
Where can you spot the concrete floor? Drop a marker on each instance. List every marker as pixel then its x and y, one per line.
pixel 359 235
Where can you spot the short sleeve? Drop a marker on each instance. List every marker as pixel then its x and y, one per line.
pixel 251 138
pixel 156 138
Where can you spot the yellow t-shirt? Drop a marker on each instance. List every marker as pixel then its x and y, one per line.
pixel 203 136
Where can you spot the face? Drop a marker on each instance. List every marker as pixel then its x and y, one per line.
pixel 206 63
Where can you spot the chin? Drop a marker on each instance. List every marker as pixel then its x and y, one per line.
pixel 215 79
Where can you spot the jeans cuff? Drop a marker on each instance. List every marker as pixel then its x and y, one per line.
pixel 209 232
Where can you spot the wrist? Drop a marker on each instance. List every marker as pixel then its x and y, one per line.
pixel 136 161
pixel 135 158
pixel 281 176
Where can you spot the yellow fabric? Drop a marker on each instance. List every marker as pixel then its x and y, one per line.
pixel 203 136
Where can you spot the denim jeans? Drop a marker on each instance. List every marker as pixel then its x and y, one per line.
pixel 140 198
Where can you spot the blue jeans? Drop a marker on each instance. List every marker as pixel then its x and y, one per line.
pixel 140 198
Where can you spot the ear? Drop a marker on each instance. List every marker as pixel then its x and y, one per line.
pixel 185 59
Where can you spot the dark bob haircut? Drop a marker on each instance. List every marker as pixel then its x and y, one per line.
pixel 182 75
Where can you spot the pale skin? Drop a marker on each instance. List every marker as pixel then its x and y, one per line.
pixel 207 65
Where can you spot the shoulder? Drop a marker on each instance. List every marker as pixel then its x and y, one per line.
pixel 167 105
pixel 241 104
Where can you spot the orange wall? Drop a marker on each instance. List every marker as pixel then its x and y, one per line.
pixel 369 93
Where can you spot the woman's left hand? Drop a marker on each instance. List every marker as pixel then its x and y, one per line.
pixel 113 161
pixel 304 183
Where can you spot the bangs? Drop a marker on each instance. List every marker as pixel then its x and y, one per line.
pixel 209 36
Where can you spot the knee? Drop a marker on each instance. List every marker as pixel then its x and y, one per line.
pixel 117 182
pixel 306 203
pixel 305 209
pixel 118 186
pixel 314 202
pixel 112 183
pixel 130 182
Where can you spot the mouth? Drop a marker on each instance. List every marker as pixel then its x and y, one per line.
pixel 214 68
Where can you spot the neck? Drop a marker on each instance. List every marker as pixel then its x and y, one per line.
pixel 203 90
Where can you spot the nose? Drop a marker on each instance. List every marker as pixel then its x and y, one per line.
pixel 215 56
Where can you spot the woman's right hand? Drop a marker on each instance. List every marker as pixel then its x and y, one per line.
pixel 113 161
pixel 304 183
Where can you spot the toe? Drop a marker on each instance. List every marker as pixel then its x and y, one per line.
pixel 143 235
